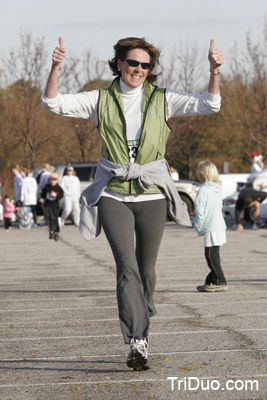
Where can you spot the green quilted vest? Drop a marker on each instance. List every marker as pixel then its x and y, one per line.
pixel 112 128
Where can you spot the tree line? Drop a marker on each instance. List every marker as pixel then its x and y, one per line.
pixel 30 136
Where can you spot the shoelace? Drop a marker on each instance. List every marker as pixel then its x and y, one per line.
pixel 140 345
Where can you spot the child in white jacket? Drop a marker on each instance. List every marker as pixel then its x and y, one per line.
pixel 209 222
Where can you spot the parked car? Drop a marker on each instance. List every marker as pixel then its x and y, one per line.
pixel 231 183
pixel 229 203
pixel 188 192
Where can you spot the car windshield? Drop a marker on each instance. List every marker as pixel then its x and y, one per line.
pixel 84 173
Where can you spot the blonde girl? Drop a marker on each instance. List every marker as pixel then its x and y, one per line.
pixel 209 222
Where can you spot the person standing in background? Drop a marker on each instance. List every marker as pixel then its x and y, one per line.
pixel 210 224
pixel 257 163
pixel 43 178
pixel 71 186
pixel 17 184
pixel 51 194
pixel 8 211
pixel 29 193
pixel 174 174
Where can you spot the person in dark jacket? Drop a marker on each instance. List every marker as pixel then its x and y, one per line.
pixel 245 201
pixel 50 196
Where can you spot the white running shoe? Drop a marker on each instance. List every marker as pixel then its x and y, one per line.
pixel 212 288
pixel 137 357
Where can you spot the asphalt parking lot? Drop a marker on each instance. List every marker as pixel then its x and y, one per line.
pixel 60 336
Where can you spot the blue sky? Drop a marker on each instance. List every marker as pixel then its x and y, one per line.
pixel 97 25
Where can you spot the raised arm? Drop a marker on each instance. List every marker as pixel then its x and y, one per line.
pixel 58 56
pixel 216 59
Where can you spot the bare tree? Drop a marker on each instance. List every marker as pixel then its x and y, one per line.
pixel 185 68
pixel 184 73
pixel 249 89
pixel 34 133
pixel 77 72
pixel 27 62
pixel 84 133
pixel 24 71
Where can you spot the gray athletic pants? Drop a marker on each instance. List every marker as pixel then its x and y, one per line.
pixel 134 232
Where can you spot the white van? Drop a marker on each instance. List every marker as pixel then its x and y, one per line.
pixel 231 183
pixel 256 179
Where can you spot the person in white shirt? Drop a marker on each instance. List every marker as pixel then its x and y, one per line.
pixel 70 183
pixel 174 174
pixel 29 190
pixel 257 163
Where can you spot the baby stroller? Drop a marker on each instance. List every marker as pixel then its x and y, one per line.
pixel 25 218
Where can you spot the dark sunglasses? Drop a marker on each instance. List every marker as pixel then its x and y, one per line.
pixel 134 63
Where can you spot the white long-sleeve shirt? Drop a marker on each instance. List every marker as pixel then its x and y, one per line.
pixel 84 105
pixel 255 167
pixel 29 191
pixel 71 186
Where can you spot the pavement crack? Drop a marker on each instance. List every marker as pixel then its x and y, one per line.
pixel 243 341
pixel 82 252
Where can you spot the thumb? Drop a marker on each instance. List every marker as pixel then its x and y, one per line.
pixel 212 45
pixel 60 41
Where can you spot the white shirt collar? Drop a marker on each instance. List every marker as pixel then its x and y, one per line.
pixel 128 90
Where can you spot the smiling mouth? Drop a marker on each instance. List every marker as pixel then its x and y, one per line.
pixel 136 77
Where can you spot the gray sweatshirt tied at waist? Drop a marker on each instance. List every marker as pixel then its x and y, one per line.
pixel 155 172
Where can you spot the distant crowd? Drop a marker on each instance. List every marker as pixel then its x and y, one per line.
pixel 46 199
pixel 42 197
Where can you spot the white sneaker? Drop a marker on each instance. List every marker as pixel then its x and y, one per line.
pixel 137 357
pixel 212 288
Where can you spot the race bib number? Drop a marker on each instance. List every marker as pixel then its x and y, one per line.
pixel 132 149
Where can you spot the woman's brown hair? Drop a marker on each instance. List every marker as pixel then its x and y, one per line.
pixel 121 49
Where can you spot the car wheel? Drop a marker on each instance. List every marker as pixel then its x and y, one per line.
pixel 188 203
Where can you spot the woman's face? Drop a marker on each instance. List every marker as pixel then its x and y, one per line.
pixel 134 76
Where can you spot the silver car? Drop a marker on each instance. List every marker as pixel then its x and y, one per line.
pixel 188 192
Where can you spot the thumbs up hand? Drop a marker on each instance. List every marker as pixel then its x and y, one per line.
pixel 59 53
pixel 215 56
